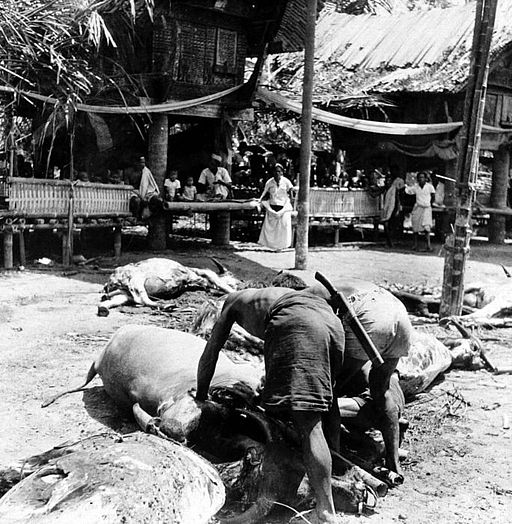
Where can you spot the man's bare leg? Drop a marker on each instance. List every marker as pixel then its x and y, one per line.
pixel 317 460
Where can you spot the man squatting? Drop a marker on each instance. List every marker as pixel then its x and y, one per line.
pixel 311 356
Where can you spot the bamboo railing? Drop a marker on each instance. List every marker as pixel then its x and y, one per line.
pixel 40 198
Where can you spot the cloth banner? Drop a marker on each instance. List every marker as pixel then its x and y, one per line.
pixel 443 149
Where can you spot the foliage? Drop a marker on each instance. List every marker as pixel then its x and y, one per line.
pixel 50 46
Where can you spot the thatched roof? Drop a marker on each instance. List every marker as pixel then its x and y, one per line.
pixel 426 51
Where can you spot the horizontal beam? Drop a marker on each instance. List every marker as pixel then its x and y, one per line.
pixel 209 207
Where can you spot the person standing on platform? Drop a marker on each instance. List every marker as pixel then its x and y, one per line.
pixel 421 216
pixel 276 232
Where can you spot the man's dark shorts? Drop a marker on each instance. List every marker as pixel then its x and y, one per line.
pixel 304 342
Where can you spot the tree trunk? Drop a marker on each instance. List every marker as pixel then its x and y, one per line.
pixel 157 160
pixel 500 170
pixel 301 249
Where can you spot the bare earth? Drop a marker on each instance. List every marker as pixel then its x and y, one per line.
pixel 460 458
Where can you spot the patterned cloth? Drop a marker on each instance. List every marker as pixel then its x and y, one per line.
pixel 303 353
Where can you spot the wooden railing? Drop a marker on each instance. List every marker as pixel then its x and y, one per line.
pixel 343 204
pixel 36 198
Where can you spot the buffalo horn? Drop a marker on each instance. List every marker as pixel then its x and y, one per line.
pixel 220 267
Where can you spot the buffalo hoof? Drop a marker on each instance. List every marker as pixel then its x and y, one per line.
pixel 103 311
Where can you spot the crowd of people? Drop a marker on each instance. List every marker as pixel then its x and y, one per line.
pixel 273 175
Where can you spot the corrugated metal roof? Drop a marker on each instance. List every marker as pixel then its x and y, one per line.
pixel 426 51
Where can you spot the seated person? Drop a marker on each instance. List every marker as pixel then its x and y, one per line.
pixel 146 198
pixel 189 190
pixel 214 181
pixel 171 186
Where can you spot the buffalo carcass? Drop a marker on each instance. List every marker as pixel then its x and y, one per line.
pixel 152 371
pixel 143 281
pixel 108 478
pixel 492 303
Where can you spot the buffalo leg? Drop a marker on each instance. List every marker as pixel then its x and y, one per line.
pixel 115 301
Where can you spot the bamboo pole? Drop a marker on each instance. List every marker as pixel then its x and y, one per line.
pixel 457 244
pixel 302 230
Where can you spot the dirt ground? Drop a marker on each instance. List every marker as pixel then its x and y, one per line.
pixel 460 459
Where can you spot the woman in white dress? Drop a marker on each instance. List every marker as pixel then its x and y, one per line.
pixel 276 232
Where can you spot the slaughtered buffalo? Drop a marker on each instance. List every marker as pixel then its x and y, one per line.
pixel 107 478
pixel 142 282
pixel 152 371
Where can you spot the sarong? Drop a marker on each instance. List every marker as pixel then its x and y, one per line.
pixel 303 350
pixel 421 219
pixel 386 321
pixel 276 231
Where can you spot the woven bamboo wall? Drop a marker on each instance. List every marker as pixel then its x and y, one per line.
pixel 35 198
pixel 343 203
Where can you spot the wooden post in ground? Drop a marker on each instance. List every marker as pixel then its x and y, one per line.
pixel 21 245
pixel 118 236
pixel 500 173
pixel 8 251
pixel 457 244
pixel 302 229
pixel 67 251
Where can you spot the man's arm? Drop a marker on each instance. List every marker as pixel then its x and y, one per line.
pixel 208 360
pixel 387 409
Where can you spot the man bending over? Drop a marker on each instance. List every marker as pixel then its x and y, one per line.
pixel 303 353
pixel 383 316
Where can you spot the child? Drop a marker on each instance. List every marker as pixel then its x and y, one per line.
pixel 171 186
pixel 190 190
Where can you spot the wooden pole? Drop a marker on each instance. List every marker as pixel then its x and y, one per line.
pixel 457 244
pixel 301 246
pixel 158 138
pixel 21 244
pixel 500 173
pixel 67 249
pixel 8 251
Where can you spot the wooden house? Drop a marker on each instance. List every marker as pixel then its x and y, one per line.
pixel 416 66
pixel 175 83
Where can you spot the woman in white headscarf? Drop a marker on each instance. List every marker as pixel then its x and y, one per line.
pixel 276 232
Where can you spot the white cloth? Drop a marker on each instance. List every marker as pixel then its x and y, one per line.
pixel 439 198
pixel 421 218
pixel 208 178
pixel 278 192
pixel 148 186
pixel 276 232
pixel 171 186
pixel 423 194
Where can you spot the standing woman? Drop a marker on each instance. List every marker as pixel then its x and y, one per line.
pixel 391 213
pixel 276 232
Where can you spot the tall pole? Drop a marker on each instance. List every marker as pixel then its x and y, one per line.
pixel 68 235
pixel 457 244
pixel 301 246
